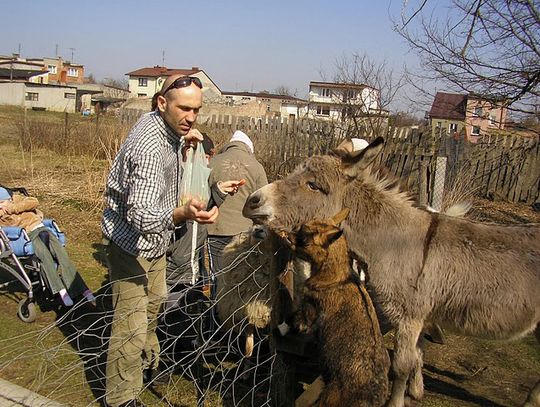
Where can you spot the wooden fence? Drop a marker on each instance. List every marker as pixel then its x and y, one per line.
pixel 503 167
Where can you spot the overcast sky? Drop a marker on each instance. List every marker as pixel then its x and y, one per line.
pixel 241 44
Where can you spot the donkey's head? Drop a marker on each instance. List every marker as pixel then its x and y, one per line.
pixel 318 187
pixel 313 240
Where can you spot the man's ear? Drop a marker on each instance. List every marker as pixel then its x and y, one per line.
pixel 358 161
pixel 161 103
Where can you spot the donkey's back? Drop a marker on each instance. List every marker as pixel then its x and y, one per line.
pixel 483 279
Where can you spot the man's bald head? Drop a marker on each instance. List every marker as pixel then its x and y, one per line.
pixel 168 82
pixel 179 107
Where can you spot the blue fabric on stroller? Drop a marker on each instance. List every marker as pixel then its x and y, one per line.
pixel 18 257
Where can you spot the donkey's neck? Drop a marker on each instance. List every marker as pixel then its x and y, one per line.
pixel 382 221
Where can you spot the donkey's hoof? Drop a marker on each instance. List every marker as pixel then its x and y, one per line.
pixel 415 388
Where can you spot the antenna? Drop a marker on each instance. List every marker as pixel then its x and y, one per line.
pixel 56 51
pixel 72 52
pixel 163 58
pixel 19 49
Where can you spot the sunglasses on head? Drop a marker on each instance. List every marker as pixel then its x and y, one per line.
pixel 183 82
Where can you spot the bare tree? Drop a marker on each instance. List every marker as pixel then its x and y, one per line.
pixel 370 88
pixel 121 83
pixel 284 90
pixel 487 47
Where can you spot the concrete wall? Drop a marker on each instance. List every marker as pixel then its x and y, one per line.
pixel 51 98
pixel 12 93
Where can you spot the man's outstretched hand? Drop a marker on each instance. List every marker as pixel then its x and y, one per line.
pixel 194 209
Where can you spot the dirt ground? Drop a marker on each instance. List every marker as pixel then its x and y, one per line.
pixel 464 372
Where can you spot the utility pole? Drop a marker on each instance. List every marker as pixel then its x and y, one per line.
pixel 56 51
pixel 163 58
pixel 19 49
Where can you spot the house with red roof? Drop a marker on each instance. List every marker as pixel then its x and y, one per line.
pixel 471 115
pixel 145 82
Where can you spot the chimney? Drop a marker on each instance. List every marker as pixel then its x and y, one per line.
pixel 195 68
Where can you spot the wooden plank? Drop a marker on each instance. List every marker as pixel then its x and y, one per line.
pixel 515 162
pixel 310 394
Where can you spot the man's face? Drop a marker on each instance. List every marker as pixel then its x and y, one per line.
pixel 180 107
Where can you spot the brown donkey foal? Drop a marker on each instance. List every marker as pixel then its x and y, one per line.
pixel 335 306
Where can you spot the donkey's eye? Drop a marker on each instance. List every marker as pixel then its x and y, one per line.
pixel 314 187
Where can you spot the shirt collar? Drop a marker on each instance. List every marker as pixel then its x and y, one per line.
pixel 170 135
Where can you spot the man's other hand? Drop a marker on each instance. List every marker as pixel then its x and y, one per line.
pixel 193 136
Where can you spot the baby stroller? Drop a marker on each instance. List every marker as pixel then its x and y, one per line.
pixel 17 257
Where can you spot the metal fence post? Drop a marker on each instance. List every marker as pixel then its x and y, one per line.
pixel 438 184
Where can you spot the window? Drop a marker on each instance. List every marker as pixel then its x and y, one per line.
pixel 349 94
pixel 31 96
pixel 141 95
pixel 326 93
pixel 143 82
pixel 452 128
pixel 439 124
pixel 69 95
pixel 475 131
pixel 492 120
pixel 477 111
pixel 73 72
pixel 323 110
pixel 52 69
pixel 267 108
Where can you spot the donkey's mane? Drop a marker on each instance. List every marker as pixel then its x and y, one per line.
pixel 383 180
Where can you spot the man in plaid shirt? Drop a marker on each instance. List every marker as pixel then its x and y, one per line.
pixel 141 212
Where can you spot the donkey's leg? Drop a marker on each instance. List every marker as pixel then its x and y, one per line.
pixel 405 359
pixel 534 396
pixel 416 381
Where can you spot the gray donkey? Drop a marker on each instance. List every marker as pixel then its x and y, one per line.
pixel 476 279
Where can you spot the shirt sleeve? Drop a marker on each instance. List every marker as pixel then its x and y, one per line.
pixel 23 203
pixel 216 196
pixel 262 179
pixel 146 190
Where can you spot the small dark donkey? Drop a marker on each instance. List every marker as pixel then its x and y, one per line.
pixel 335 306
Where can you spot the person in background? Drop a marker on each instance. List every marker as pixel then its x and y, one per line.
pixel 182 275
pixel 179 251
pixel 60 272
pixel 236 160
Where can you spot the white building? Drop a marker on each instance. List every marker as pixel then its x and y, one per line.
pixel 337 101
pixel 145 82
pixel 57 98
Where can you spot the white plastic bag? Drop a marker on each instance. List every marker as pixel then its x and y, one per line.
pixel 194 182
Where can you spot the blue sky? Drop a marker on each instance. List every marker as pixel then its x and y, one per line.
pixel 242 45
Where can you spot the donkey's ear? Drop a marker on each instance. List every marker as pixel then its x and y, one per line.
pixel 340 216
pixel 345 149
pixel 358 161
pixel 330 235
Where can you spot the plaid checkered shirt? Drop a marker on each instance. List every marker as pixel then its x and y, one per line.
pixel 143 188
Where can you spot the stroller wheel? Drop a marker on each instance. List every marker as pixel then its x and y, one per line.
pixel 27 310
